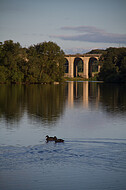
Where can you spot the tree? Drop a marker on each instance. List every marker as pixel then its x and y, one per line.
pixel 50 61
pixel 10 57
pixel 43 62
pixel 123 70
pixel 113 65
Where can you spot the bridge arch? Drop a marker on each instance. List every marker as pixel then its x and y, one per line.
pixel 66 66
pixel 78 67
pixel 93 66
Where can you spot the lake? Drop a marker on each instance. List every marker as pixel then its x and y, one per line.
pixel 89 116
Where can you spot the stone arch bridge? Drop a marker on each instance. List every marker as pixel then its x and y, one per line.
pixel 72 67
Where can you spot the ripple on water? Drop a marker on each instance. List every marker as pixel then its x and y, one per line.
pixel 106 154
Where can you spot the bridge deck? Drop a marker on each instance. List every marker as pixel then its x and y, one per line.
pixel 83 55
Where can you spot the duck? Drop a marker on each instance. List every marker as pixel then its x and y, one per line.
pixel 59 140
pixel 50 138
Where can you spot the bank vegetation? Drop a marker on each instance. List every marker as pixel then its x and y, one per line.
pixel 39 63
pixel 45 63
pixel 113 65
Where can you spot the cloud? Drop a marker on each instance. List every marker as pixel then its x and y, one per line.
pixel 92 34
pixel 90 29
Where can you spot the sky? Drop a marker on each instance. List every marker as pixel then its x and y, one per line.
pixel 77 26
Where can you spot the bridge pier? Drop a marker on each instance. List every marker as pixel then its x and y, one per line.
pixel 71 66
pixel 85 66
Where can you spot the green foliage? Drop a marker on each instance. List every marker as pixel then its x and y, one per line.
pixel 51 60
pixel 43 62
pixel 113 68
pixel 3 74
pixel 11 58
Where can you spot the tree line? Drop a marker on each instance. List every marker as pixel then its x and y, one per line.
pixel 113 65
pixel 39 63
pixel 45 62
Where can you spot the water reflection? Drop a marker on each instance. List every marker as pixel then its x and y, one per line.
pixel 44 102
pixel 47 102
pixel 12 101
pixel 83 94
pixel 113 97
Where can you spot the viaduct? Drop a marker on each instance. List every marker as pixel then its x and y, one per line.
pixel 72 64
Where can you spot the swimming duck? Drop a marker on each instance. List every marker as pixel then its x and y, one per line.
pixel 50 138
pixel 59 140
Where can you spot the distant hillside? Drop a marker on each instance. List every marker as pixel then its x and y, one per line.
pixel 96 51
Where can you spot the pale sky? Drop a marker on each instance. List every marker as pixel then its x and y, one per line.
pixel 77 26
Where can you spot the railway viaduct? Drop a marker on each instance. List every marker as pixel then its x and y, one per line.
pixel 72 64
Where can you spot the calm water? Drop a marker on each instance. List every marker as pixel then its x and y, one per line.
pixel 90 117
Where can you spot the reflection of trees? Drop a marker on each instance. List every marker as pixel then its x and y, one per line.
pixel 113 97
pixel 93 90
pixel 11 101
pixel 45 102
